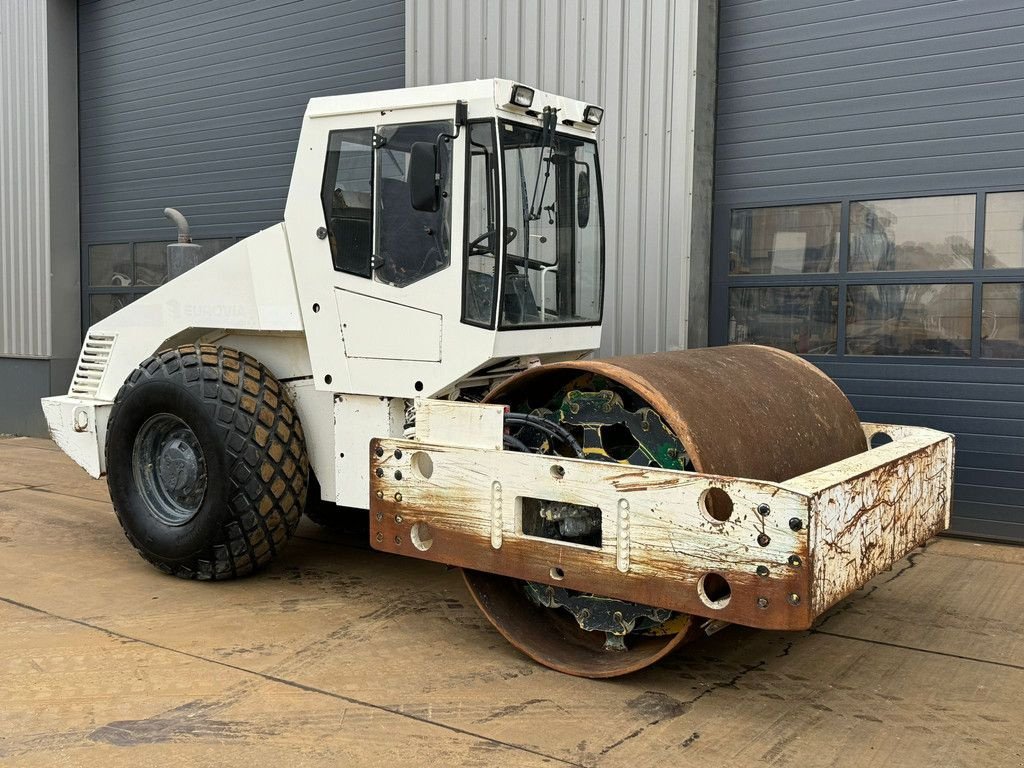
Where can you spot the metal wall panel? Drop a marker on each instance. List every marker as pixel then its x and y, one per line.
pixel 24 181
pixel 197 104
pixel 820 100
pixel 650 64
pixel 876 98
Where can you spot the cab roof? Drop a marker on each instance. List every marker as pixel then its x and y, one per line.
pixel 483 97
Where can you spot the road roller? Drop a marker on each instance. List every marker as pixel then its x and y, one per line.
pixel 413 348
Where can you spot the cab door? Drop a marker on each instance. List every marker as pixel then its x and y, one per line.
pixel 376 276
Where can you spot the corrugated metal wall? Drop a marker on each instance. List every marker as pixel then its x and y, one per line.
pixel 24 185
pixel 876 98
pixel 640 60
pixel 868 96
pixel 198 104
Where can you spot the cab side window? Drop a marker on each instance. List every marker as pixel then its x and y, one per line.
pixel 411 244
pixel 347 196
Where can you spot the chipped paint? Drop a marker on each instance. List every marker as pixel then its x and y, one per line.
pixel 853 519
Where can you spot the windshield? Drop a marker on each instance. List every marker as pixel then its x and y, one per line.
pixel 554 230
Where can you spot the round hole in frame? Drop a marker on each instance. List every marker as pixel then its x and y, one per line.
pixel 328 379
pixel 421 536
pixel 714 591
pixel 557 471
pixel 422 464
pixel 419 386
pixel 879 439
pixel 717 504
pixel 557 573
pixel 316 307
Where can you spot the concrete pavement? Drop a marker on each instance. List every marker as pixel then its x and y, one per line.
pixel 340 655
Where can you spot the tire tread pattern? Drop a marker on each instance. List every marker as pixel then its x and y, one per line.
pixel 264 452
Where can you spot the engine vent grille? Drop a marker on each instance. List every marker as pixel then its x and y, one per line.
pixel 92 364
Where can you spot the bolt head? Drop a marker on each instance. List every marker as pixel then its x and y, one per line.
pixel 398 474
pixel 398 496
pixel 762 571
pixel 794 560
pixel 764 510
pixel 398 519
pixel 398 541
pixel 795 523
pixel 398 453
pixel 762 602
pixel 379 451
pixel 379 472
pixel 380 537
pixel 380 494
pixel 764 539
pixel 794 598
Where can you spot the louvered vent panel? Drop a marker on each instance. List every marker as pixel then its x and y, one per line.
pixel 92 364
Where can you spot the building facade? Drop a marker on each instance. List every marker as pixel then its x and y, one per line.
pixel 844 180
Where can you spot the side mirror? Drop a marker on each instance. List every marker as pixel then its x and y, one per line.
pixel 424 186
pixel 583 198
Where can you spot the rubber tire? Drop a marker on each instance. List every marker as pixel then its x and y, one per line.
pixel 252 441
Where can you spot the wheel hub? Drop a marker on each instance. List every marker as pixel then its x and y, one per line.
pixel 170 469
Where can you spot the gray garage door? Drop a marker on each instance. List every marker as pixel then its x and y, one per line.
pixel 197 104
pixel 869 213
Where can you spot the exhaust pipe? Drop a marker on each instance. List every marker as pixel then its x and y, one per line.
pixel 184 254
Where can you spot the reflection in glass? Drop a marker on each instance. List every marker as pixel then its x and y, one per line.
pixel 799 319
pixel 483 240
pixel 104 305
pixel 150 263
pixel 908 319
pixel 1004 230
pixel 553 269
pixel 913 233
pixel 1002 320
pixel 792 239
pixel 110 264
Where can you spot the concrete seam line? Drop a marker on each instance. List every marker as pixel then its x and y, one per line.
pixel 292 683
pixel 47 489
pixel 20 488
pixel 1006 664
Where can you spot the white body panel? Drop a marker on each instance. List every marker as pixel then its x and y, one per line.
pixel 248 287
pixel 357 418
pixel 377 329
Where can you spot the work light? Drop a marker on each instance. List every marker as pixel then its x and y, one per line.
pixel 522 96
pixel 593 115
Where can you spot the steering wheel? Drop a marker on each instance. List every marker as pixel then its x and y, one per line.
pixel 477 247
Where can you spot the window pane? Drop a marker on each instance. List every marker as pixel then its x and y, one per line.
pixel 783 241
pixel 1002 320
pixel 103 305
pixel 150 263
pixel 799 319
pixel 347 200
pixel 908 319
pixel 110 264
pixel 553 254
pixel 915 233
pixel 483 240
pixel 1004 230
pixel 411 244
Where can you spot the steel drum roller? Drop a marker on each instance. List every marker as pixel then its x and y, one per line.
pixel 746 411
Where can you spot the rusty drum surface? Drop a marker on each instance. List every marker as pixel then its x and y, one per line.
pixel 746 411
